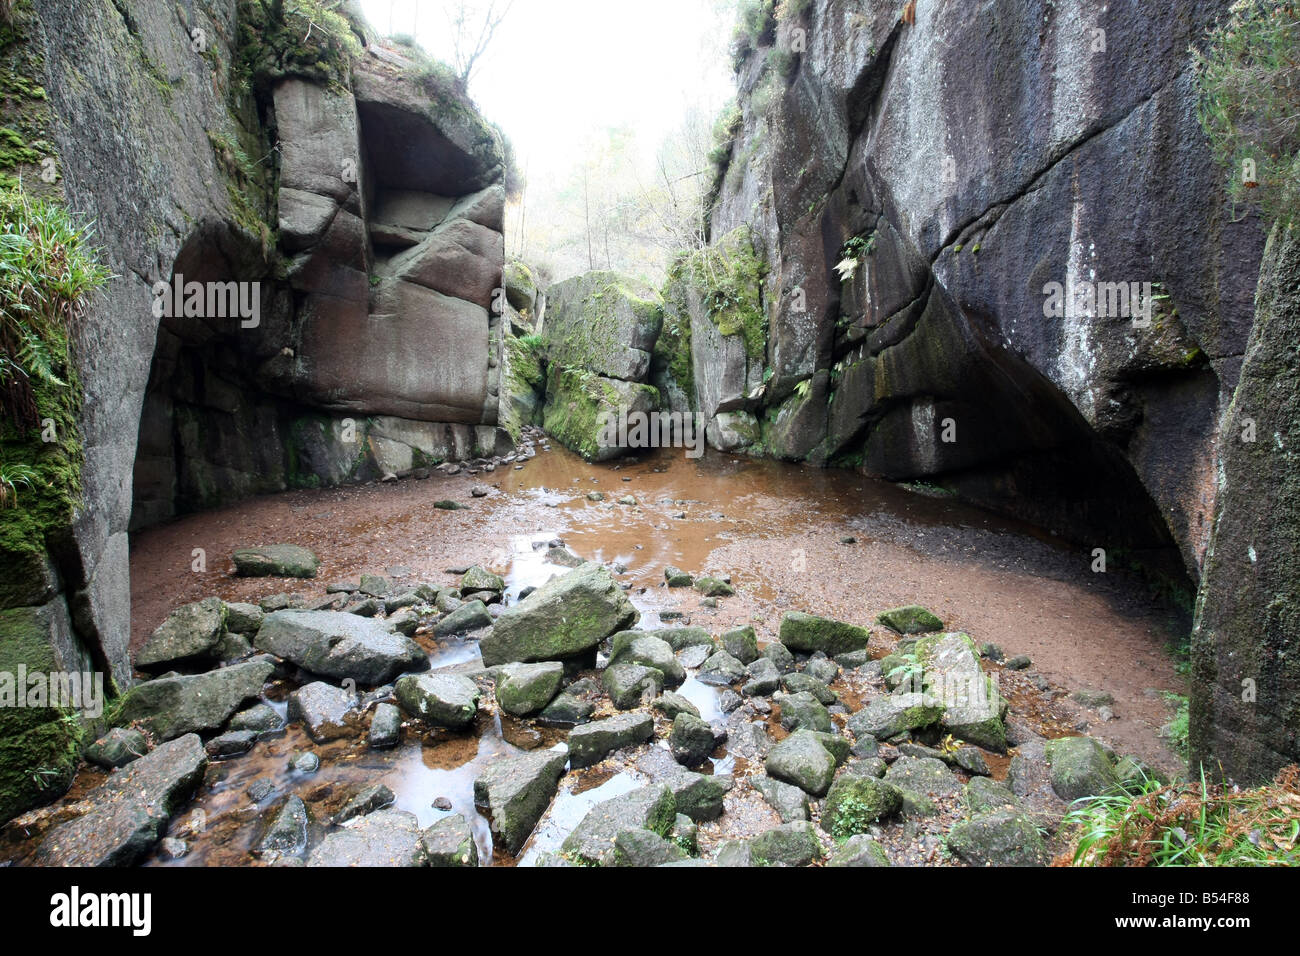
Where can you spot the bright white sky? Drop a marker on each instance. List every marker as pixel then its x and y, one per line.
pixel 563 71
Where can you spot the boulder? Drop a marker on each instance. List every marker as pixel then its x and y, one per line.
pixel 807 633
pixel 566 617
pixel 855 803
pixel 742 644
pixel 593 742
pixel 275 561
pixel 479 579
pixel 764 679
pixel 583 409
pixel 998 838
pixel 340 646
pixel 171 707
pixel 983 795
pixel 385 727
pixel 516 791
pixel 924 775
pixel 233 743
pixel 859 850
pixel 790 844
pixel 896 714
pixel 604 323
pixel 287 833
pixel 700 796
pixel 640 648
pixel 387 838
pixel 790 802
pixel 630 685
pixel 973 707
pixel 117 748
pixel 648 808
pixel 802 760
pixel 188 634
pixel 323 710
pixel 129 812
pixel 524 689
pixel 1080 768
pixel 804 684
pixel 691 740
pixel 444 700
pixel 366 800
pixel 912 619
pixel 803 712
pixel 670 705
pixel 470 616
pixel 721 670
pixel 641 848
pixel 260 718
pixel 450 842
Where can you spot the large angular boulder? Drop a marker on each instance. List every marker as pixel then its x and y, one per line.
pixel 190 633
pixel 649 808
pixel 603 322
pixel 973 707
pixel 450 843
pixel 171 707
pixel 129 812
pixel 566 617
pixel 339 645
pixel 516 791
pixel 637 647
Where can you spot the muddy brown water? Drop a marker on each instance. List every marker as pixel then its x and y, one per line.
pixel 775 528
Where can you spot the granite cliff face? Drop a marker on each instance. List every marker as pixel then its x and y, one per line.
pixel 355 201
pixel 955 167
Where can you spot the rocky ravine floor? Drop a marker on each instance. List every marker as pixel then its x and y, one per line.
pixel 710 704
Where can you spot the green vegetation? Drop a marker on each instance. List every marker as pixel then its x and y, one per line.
pixel 48 271
pixel 24 107
pixel 1250 103
pixel 1178 727
pixel 310 39
pixel 755 25
pixel 1189 825
pixel 729 279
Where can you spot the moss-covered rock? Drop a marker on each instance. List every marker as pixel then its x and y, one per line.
pixel 998 838
pixel 592 841
pixel 809 633
pixel 580 405
pixel 912 619
pixel 604 323
pixel 790 844
pixel 855 803
pixel 1080 768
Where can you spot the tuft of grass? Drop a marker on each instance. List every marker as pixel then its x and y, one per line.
pixel 1249 76
pixel 1192 824
pixel 47 271
pixel 1179 727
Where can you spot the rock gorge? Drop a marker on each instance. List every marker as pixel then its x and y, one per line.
pixel 893 200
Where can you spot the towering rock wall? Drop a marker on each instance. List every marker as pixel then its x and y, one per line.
pixel 955 167
pixel 361 208
pixel 1245 714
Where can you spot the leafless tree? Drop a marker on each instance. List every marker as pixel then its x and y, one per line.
pixel 472 28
